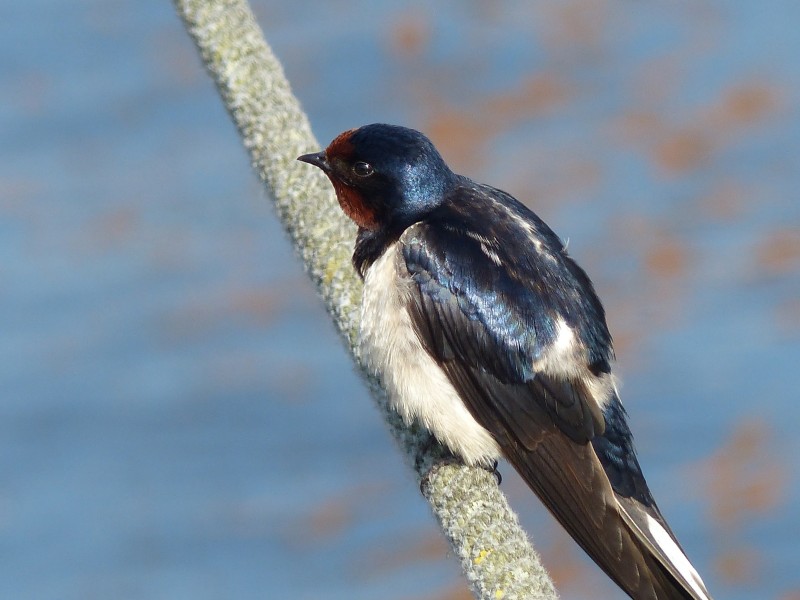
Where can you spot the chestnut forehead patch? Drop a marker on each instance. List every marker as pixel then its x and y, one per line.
pixel 342 146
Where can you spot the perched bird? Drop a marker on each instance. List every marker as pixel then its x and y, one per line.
pixel 483 329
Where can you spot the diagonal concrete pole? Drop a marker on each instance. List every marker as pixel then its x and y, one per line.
pixel 495 554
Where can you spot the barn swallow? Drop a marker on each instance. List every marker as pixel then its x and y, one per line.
pixel 482 328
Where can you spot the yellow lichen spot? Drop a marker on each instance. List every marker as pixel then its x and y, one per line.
pixel 499 594
pixel 481 556
pixel 331 268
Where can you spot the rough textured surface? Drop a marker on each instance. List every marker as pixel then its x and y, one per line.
pixel 495 553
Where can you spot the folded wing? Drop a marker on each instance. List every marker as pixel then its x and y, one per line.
pixel 488 328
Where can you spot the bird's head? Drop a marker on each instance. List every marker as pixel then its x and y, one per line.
pixel 385 176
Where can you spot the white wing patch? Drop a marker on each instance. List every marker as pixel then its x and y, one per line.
pixel 530 232
pixel 565 338
pixel 418 389
pixel 564 356
pixel 678 558
pixel 567 358
pixel 488 247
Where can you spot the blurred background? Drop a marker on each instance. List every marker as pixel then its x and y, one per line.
pixel 178 418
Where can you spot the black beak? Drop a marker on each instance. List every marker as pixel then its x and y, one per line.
pixel 318 159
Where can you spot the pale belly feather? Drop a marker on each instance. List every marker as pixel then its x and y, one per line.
pixel 417 388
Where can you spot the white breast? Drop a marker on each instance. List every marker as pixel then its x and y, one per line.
pixel 418 389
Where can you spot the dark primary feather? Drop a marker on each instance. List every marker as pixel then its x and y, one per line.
pixel 487 326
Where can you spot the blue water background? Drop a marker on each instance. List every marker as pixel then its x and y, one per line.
pixel 178 418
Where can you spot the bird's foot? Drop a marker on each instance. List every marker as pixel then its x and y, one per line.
pixel 493 470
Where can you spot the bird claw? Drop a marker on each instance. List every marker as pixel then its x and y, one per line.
pixel 493 470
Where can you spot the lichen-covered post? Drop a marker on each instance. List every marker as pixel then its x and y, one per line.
pixel 495 553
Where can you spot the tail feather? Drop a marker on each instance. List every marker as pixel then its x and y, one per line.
pixel 630 545
pixel 655 535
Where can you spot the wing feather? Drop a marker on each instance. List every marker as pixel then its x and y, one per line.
pixel 487 331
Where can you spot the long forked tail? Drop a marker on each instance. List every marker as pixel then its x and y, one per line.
pixel 631 542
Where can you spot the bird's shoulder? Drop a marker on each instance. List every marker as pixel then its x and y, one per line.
pixel 473 213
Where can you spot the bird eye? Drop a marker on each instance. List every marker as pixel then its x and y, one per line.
pixel 363 169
